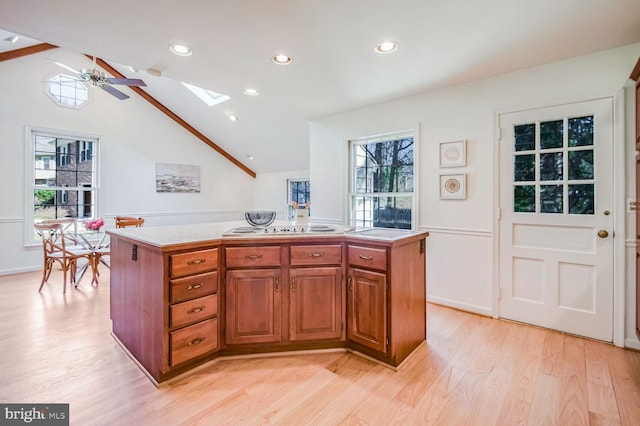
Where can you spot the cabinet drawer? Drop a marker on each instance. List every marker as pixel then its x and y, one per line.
pixel 193 262
pixel 191 287
pixel 316 255
pixel 368 257
pixel 193 310
pixel 240 257
pixel 193 341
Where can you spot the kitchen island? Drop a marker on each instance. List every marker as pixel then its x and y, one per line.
pixel 185 295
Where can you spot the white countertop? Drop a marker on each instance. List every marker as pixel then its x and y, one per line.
pixel 161 236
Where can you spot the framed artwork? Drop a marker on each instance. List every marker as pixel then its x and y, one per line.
pixel 453 187
pixel 177 178
pixel 453 154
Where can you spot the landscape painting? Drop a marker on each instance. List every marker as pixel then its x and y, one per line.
pixel 177 178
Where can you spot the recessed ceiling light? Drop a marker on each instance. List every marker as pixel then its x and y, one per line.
pixel 12 39
pixel 251 92
pixel 281 59
pixel 233 117
pixel 250 157
pixel 180 50
pixel 133 69
pixel 386 47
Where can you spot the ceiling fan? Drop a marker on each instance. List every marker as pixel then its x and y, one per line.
pixel 102 80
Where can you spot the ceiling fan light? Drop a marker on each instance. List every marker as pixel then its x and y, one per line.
pixel 180 50
pixel 386 47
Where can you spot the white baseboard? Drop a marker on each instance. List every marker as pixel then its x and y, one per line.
pixel 20 270
pixel 476 309
pixel 632 343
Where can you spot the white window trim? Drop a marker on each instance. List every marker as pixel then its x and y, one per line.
pixel 29 236
pixel 415 132
pixel 56 101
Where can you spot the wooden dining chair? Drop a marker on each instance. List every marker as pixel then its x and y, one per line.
pixel 55 250
pixel 128 221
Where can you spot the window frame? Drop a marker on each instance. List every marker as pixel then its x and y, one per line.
pixel 379 138
pixel 30 178
pixel 78 103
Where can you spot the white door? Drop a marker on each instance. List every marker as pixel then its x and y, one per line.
pixel 556 218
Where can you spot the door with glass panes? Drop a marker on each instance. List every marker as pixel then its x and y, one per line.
pixel 556 218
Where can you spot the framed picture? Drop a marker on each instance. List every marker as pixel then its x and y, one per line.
pixel 453 154
pixel 453 187
pixel 177 178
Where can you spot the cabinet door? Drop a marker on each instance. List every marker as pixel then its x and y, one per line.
pixel 253 302
pixel 367 308
pixel 315 296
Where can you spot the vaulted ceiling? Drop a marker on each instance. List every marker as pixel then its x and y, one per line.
pixel 334 66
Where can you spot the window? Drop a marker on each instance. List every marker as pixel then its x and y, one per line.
pixel 553 166
pixel 298 191
pixel 67 186
pixel 67 91
pixel 382 181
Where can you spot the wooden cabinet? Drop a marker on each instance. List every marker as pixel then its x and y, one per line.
pixel 170 311
pixel 386 292
pixel 253 295
pixel 315 308
pixel 316 301
pixel 193 282
pixel 305 290
pixel 164 304
pixel 368 308
pixel 253 302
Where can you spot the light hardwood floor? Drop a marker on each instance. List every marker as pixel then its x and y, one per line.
pixel 473 370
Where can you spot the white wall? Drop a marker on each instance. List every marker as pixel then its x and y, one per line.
pixel 270 191
pixel 133 136
pixel 461 242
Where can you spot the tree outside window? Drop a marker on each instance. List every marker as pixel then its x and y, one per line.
pixel 382 182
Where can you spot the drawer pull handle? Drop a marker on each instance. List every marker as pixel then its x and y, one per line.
pixel 194 287
pixel 196 261
pixel 316 254
pixel 254 256
pixel 196 341
pixel 363 257
pixel 195 310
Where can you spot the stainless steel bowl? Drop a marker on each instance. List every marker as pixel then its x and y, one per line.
pixel 260 218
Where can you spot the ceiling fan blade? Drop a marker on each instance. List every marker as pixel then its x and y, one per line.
pixel 63 65
pixel 127 81
pixel 115 92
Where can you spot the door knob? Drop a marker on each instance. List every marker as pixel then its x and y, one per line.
pixel 603 234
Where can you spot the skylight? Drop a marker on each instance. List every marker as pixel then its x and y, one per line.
pixel 209 97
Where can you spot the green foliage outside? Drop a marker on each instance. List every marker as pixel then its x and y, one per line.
pixel 44 197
